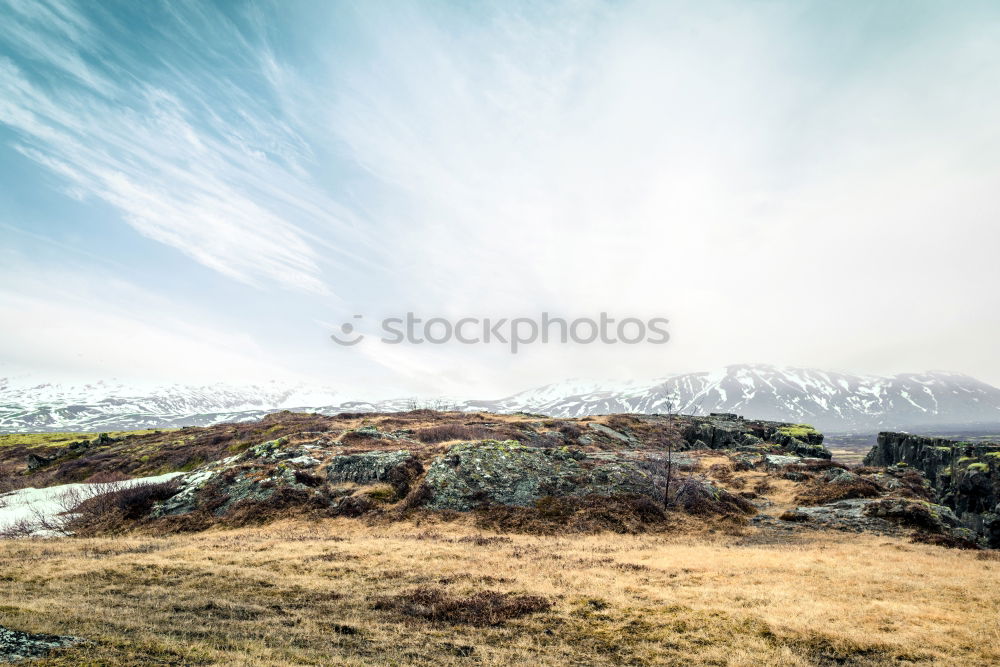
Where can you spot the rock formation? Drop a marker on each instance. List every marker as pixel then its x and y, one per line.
pixel 965 476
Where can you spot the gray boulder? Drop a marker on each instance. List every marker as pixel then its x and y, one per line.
pixel 16 646
pixel 508 473
pixel 505 473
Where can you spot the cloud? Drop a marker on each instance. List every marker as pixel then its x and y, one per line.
pixel 792 183
pixel 82 326
pixel 731 169
pixel 190 161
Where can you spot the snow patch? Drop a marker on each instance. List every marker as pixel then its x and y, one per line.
pixel 35 507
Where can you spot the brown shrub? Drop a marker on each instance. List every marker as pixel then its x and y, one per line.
pixel 484 608
pixel 456 431
pixel 736 482
pixel 914 486
pixel 694 496
pixel 941 540
pixel 625 514
pixel 117 509
pixel 445 432
pixel 721 471
pixel 571 431
pixel 106 478
pixel 352 506
pixel 821 493
pixel 485 540
pixel 365 441
pixel 308 479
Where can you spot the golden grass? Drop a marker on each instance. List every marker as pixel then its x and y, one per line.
pixel 302 593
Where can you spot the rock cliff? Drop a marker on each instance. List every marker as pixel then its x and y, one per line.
pixel 965 476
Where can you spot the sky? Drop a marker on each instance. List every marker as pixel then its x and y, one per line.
pixel 199 192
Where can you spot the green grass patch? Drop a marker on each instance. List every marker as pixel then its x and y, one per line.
pixel 63 439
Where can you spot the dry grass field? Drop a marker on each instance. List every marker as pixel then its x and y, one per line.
pixel 429 591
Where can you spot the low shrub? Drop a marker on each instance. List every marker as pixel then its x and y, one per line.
pixel 308 479
pixel 695 496
pixel 721 471
pixel 446 432
pixel 943 540
pixel 571 431
pixel 485 608
pixel 114 509
pixel 821 493
pixel 625 514
pixel 915 485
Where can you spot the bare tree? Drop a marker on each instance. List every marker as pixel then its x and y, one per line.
pixel 670 471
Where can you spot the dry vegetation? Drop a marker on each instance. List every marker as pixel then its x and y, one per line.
pixel 574 580
pixel 154 452
pixel 341 591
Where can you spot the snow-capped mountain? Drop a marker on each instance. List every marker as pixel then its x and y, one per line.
pixel 831 401
pixel 116 406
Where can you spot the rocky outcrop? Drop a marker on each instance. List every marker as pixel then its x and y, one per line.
pixel 508 473
pixel 356 464
pixel 730 431
pixel 16 646
pixel 965 476
pixel 320 474
pixel 397 468
pixel 36 461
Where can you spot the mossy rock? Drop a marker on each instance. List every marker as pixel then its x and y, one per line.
pixel 394 467
pixel 488 472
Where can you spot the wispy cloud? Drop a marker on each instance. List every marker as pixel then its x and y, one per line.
pixel 789 182
pixel 188 158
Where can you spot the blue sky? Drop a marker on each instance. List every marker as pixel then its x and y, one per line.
pixel 202 192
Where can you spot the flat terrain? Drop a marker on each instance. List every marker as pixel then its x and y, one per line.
pixel 345 591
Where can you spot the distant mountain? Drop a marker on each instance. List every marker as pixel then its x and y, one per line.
pixel 115 406
pixel 833 402
pixel 830 401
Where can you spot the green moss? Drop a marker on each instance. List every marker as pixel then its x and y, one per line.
pixel 978 467
pixel 190 465
pixel 798 430
pixel 63 439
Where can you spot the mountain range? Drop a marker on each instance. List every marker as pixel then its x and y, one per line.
pixel 833 402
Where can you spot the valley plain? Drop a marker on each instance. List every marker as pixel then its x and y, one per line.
pixel 297 592
pixel 428 537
